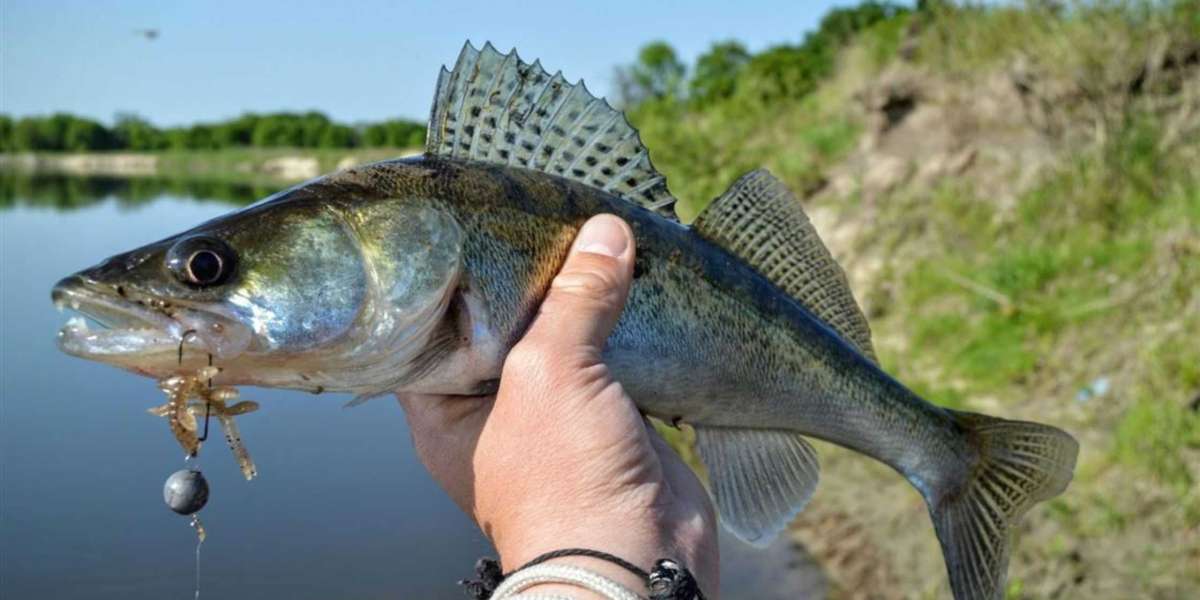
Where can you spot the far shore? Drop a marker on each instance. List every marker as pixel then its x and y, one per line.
pixel 279 164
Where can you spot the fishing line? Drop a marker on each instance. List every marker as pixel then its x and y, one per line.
pixel 207 405
pixel 195 524
pixel 199 543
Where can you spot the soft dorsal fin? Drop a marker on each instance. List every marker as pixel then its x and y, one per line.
pixel 759 220
pixel 497 108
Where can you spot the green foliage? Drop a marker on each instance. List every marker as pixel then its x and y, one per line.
pixel 738 109
pixel 84 134
pixel 64 132
pixel 134 133
pixel 656 75
pixel 1012 283
pixel 63 192
pixel 395 134
pixel 716 73
pixel 6 133
pixel 788 71
pixel 1151 435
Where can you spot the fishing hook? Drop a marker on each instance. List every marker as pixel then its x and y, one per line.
pixel 207 406
pixel 183 340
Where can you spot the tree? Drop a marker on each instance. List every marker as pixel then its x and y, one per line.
pixel 85 134
pixel 716 72
pixel 337 136
pixel 236 132
pixel 841 24
pixel 793 71
pixel 200 137
pixel 132 132
pixel 6 134
pixel 52 132
pixel 312 126
pixel 396 133
pixel 657 74
pixel 25 134
pixel 280 129
pixel 375 136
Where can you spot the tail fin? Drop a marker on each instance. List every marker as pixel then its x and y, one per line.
pixel 1018 464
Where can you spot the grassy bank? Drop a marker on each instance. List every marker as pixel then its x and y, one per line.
pixel 1015 197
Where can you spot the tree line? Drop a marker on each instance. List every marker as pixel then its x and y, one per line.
pixel 659 77
pixel 67 132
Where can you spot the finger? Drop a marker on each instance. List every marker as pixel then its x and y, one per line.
pixel 438 412
pixel 445 431
pixel 444 426
pixel 586 298
pixel 680 478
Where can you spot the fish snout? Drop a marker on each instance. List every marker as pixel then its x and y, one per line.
pixel 109 274
pixel 62 290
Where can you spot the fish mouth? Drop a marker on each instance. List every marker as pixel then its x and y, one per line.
pixel 144 333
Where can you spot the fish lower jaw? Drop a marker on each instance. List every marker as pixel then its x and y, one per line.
pixel 78 339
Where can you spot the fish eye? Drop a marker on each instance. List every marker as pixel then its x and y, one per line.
pixel 204 267
pixel 201 261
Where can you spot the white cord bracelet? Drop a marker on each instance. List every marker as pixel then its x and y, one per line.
pixel 539 574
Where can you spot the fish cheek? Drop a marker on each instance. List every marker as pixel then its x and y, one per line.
pixel 301 286
pixel 414 254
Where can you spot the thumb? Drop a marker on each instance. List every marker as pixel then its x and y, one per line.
pixel 586 298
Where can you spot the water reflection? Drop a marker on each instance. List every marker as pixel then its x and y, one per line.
pixel 65 192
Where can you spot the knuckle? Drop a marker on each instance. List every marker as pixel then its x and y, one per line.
pixel 599 282
pixel 527 359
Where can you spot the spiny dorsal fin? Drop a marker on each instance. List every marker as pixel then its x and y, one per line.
pixel 759 220
pixel 497 108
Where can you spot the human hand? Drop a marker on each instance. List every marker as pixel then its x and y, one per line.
pixel 560 457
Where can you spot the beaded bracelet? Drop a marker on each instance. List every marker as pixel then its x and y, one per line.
pixel 668 580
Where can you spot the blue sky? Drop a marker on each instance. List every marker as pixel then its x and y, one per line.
pixel 353 60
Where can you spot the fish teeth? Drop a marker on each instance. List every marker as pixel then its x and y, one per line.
pixel 77 323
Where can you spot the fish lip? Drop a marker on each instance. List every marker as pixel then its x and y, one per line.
pixel 128 328
pixel 109 309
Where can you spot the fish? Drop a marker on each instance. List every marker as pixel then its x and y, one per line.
pixel 419 274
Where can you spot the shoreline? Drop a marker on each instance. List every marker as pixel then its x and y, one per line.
pixel 278 164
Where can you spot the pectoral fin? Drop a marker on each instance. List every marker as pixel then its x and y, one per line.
pixel 760 479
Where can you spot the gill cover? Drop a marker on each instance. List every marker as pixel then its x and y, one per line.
pixel 300 281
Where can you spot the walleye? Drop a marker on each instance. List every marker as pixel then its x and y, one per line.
pixel 419 275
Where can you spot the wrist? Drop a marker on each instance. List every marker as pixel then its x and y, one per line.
pixel 640 542
pixel 631 542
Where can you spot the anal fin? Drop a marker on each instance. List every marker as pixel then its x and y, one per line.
pixel 760 479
